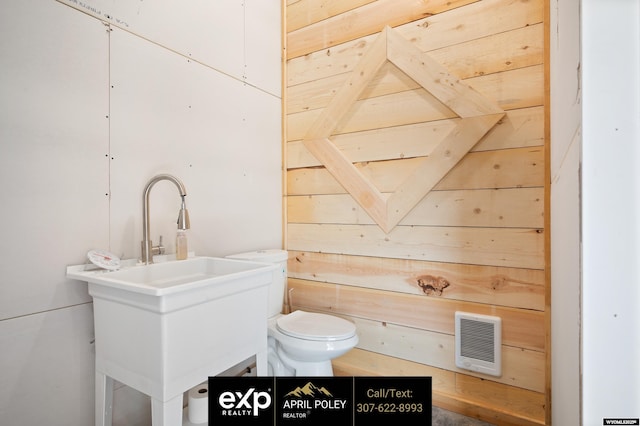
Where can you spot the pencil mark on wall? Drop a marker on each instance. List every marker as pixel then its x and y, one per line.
pixel 96 11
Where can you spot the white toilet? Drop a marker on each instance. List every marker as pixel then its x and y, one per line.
pixel 300 343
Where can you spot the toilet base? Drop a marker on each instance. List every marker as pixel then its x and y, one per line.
pixel 315 369
pixel 280 364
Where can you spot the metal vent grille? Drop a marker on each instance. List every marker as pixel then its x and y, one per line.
pixel 478 343
pixel 476 340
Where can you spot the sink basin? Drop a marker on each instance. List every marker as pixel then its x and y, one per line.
pixel 165 327
pixel 173 284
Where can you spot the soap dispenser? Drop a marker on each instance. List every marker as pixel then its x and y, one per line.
pixel 181 244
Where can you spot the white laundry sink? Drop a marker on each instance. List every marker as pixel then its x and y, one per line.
pixel 165 327
pixel 171 285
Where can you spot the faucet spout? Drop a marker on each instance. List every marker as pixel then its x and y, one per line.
pixel 148 249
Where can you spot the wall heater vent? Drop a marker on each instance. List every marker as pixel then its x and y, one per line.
pixel 478 343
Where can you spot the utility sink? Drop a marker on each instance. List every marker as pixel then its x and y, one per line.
pixel 165 327
pixel 171 285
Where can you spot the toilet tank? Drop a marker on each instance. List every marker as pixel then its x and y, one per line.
pixel 278 285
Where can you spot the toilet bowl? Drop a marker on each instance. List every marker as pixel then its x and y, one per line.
pixel 300 343
pixel 306 342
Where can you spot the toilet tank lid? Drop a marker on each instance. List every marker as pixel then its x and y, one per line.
pixel 269 255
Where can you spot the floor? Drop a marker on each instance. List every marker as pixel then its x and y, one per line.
pixel 442 417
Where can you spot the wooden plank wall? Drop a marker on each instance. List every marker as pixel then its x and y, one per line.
pixel 476 243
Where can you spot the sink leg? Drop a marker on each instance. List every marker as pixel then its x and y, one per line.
pixel 261 363
pixel 167 413
pixel 104 400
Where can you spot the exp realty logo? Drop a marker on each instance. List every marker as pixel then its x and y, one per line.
pixel 314 401
pixel 241 401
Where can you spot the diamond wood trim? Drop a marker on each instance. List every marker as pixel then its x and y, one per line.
pixel 478 115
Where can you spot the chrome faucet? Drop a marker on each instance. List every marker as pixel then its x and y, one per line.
pixel 148 249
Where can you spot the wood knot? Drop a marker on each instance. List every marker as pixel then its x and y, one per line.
pixel 431 285
pixel 498 282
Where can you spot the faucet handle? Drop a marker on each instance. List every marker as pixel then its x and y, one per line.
pixel 159 249
pixel 160 246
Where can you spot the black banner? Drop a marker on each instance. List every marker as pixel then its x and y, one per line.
pixel 315 401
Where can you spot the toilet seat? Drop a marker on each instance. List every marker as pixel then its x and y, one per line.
pixel 314 326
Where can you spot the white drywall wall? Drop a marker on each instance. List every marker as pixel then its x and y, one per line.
pixel 611 209
pixel 88 113
pixel 565 156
